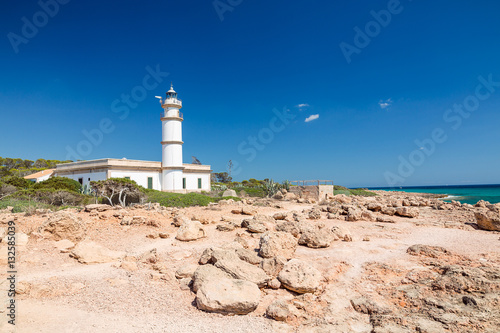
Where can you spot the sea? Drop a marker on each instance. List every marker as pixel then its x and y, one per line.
pixel 470 194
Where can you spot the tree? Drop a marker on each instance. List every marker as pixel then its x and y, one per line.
pixel 59 183
pixel 18 182
pixel 222 177
pixel 119 187
pixel 6 190
pixel 230 168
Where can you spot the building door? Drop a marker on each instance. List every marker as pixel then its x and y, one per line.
pixel 199 182
pixel 150 183
pixel 184 183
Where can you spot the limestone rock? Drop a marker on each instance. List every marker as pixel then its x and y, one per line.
pixel 250 256
pixel 277 243
pixel 190 230
pixel 273 266
pixel 316 238
pixel 254 226
pixel 205 273
pixel 179 220
pixel 367 306
pixel 314 214
pixel 280 216
pixel 228 296
pixel 64 245
pixel 353 214
pixel 248 211
pixel 278 310
pixel 388 211
pixel 225 227
pixel 98 207
pixel 407 212
pixel 374 207
pixel 299 276
pixel 288 226
pixel 186 271
pixel 229 193
pixel 239 269
pixel 64 225
pixel 274 284
pixel 488 220
pixel 342 233
pixel 385 219
pixel 129 266
pixel 88 252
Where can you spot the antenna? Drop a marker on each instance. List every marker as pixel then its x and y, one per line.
pixel 195 160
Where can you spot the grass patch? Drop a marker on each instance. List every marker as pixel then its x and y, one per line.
pixel 25 206
pixel 356 191
pixel 255 192
pixel 182 200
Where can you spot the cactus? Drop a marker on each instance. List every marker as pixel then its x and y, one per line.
pixel 271 187
pixel 86 190
pixel 286 185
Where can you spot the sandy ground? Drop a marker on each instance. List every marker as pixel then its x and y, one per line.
pixel 66 296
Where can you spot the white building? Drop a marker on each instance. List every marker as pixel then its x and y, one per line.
pixel 170 175
pixel 40 176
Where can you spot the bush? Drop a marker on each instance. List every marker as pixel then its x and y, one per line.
pixel 6 190
pixel 53 197
pixel 18 182
pixel 359 191
pixel 59 183
pixel 119 191
pixel 256 192
pixel 178 199
pixel 21 206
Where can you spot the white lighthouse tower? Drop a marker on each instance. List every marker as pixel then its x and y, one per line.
pixel 171 162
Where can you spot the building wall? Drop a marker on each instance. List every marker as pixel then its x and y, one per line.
pixel 172 180
pixel 325 191
pixel 172 155
pixel 140 177
pixel 45 177
pixel 192 181
pixel 87 176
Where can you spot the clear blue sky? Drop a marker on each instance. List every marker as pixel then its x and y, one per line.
pixel 234 64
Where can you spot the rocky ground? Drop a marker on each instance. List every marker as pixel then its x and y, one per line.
pixel 397 262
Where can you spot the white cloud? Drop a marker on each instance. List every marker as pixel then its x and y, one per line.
pixel 312 117
pixel 385 104
pixel 300 106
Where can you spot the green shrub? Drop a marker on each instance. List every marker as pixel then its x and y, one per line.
pixel 59 183
pixel 168 199
pixel 53 197
pixel 358 191
pixel 21 206
pixel 18 182
pixel 256 192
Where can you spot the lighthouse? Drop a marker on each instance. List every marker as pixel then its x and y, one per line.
pixel 171 162
pixel 169 175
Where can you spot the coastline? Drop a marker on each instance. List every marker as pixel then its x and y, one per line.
pixel 470 194
pixel 368 262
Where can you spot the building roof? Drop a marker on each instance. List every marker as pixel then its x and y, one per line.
pixel 123 164
pixel 39 174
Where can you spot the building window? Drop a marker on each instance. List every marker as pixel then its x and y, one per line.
pixel 127 178
pixel 80 180
pixel 150 183
pixel 184 183
pixel 199 182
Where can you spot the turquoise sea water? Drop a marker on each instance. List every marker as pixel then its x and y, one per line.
pixel 465 194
